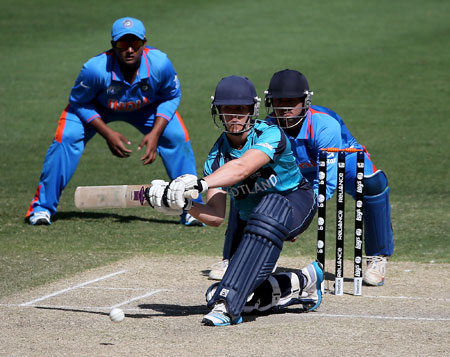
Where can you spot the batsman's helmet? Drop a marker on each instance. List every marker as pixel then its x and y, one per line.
pixel 288 84
pixel 235 90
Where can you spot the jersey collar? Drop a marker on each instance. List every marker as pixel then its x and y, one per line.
pixel 306 129
pixel 143 71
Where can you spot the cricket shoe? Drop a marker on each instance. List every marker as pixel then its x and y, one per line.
pixel 40 218
pixel 376 270
pixel 218 269
pixel 311 296
pixel 190 221
pixel 219 316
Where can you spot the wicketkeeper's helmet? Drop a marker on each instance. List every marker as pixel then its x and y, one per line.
pixel 288 84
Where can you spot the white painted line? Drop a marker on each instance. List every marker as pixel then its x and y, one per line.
pixel 110 288
pixel 378 317
pixel 68 307
pixel 407 298
pixel 301 315
pixel 327 295
pixel 137 298
pixel 72 288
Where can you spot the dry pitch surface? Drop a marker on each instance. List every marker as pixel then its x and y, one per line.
pixel 163 301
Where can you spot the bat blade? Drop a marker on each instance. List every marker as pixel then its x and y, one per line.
pixel 120 196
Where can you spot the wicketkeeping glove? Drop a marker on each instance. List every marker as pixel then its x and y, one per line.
pixel 154 196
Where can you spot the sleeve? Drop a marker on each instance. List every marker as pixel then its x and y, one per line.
pixel 328 134
pixel 83 93
pixel 169 91
pixel 207 170
pixel 211 165
pixel 270 119
pixel 214 160
pixel 272 142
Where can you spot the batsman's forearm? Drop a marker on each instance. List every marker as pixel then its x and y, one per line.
pixel 229 174
pixel 213 212
pixel 206 214
pixel 238 170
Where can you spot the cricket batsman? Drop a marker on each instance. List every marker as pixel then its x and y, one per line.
pixel 130 82
pixel 252 162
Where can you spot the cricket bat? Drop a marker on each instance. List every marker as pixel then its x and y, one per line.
pixel 121 196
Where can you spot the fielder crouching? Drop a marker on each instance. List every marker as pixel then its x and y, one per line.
pixel 133 83
pixel 252 162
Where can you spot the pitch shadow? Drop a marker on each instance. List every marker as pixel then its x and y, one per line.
pixel 72 310
pixel 169 310
pixel 176 310
pixel 69 215
pixel 127 315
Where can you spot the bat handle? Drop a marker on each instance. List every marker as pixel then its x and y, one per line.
pixel 191 194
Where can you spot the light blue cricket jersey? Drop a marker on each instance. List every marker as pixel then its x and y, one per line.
pixel 280 175
pixel 101 83
pixel 322 128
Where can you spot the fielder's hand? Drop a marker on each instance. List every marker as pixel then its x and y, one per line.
pixel 175 195
pixel 116 142
pixel 154 196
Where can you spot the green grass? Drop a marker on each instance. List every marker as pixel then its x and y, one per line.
pixel 383 66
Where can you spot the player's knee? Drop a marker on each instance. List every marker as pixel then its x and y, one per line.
pixel 271 219
pixel 178 137
pixel 72 140
pixel 375 183
pixel 174 136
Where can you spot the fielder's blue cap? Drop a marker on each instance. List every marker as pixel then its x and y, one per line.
pixel 127 26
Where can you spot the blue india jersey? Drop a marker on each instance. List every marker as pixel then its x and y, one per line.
pixel 100 86
pixel 281 175
pixel 321 128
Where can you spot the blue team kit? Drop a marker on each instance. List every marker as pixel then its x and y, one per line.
pixel 101 91
pixel 323 128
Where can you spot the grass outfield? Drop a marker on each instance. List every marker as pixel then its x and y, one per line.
pixel 382 66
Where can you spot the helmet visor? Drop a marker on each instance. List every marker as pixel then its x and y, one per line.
pixel 235 119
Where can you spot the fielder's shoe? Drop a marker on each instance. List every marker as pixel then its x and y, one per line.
pixel 312 293
pixel 219 316
pixel 376 270
pixel 218 269
pixel 190 221
pixel 40 218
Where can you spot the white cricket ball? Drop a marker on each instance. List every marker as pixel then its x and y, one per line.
pixel 116 315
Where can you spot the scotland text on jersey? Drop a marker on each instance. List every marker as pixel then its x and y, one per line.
pixel 261 186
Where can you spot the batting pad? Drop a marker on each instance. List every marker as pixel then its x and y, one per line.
pixel 257 253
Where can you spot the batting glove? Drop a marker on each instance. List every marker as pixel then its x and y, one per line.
pixel 154 196
pixel 175 197
pixel 192 182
